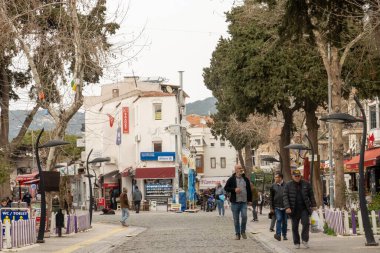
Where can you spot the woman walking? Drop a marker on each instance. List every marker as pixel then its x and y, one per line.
pixel 220 196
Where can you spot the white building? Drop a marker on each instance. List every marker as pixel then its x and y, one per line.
pixel 129 124
pixel 215 158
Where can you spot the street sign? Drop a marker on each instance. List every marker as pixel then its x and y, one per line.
pixel 9 214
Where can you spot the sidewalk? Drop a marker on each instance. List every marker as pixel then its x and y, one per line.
pixel 319 242
pixel 100 238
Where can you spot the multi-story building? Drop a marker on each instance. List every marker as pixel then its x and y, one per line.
pixel 215 157
pixel 136 124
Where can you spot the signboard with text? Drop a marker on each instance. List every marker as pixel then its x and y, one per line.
pixel 125 120
pixel 210 182
pixel 9 214
pixel 157 156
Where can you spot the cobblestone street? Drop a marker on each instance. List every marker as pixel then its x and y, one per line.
pixel 182 232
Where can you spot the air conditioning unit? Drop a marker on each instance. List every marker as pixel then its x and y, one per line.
pixel 112 160
pixel 138 137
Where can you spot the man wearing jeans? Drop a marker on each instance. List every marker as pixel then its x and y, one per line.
pixel 277 206
pixel 124 205
pixel 239 187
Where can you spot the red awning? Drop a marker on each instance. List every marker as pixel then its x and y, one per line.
pixel 370 159
pixel 26 177
pixel 34 181
pixel 154 173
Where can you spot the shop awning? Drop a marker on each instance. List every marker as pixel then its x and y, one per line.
pixel 155 173
pixel 26 177
pixel 371 158
pixel 113 173
pixel 34 181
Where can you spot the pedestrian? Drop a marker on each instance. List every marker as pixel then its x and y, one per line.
pixel 27 198
pixel 272 218
pixel 240 189
pixel 59 222
pixel 124 205
pixel 136 197
pixel 260 202
pixel 255 199
pixel 68 202
pixel 220 196
pixel 277 206
pixel 9 202
pixel 299 202
pixel 112 199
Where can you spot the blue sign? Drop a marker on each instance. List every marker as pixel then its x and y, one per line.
pixel 8 214
pixel 157 156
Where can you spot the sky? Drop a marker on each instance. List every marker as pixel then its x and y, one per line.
pixel 168 36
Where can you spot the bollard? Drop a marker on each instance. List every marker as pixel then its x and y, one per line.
pixel 353 221
pixel 346 223
pixel 374 223
pixel 8 236
pixel 360 228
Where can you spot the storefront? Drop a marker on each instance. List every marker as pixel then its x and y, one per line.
pixel 371 170
pixel 157 182
pixel 110 188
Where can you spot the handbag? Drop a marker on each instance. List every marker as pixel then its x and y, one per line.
pixel 222 197
pixel 270 215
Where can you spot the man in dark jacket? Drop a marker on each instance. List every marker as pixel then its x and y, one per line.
pixel 277 206
pixel 299 202
pixel 239 187
pixel 137 196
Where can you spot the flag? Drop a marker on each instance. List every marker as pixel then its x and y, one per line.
pixel 111 119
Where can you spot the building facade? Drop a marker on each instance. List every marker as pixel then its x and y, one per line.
pixel 131 123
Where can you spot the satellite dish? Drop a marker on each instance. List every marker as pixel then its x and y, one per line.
pixel 169 89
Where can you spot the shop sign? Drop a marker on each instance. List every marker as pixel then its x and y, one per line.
pixel 210 182
pixel 157 156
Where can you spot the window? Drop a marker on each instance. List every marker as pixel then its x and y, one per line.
pixel 198 162
pixel 198 141
pixel 223 162
pixel 157 146
pixel 222 144
pixel 212 144
pixel 157 111
pixel 213 162
pixel 372 116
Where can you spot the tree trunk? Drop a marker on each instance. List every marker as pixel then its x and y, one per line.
pixel 248 161
pixel 312 130
pixel 334 74
pixel 241 158
pixel 4 106
pixel 285 140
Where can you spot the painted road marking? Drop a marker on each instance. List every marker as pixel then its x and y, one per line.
pixel 79 245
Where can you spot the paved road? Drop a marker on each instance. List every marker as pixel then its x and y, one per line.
pixel 182 232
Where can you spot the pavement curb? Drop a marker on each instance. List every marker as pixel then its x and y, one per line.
pixel 265 243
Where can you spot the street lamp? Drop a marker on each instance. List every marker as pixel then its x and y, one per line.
pixel 96 160
pixel 49 144
pixel 347 118
pixel 304 147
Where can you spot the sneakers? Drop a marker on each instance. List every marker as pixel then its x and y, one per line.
pixel 237 237
pixel 284 238
pixel 244 235
pixel 277 237
pixel 297 246
pixel 306 244
pixel 272 230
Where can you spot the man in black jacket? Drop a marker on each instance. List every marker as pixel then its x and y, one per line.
pixel 299 202
pixel 277 206
pixel 239 187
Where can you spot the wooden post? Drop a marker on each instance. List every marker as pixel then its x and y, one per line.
pixel 360 219
pixel 374 223
pixel 346 223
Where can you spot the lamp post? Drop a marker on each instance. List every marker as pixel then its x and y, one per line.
pixel 49 144
pixel 96 160
pixel 347 118
pixel 303 147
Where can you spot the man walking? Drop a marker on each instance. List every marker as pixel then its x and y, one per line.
pixel 277 206
pixel 240 189
pixel 136 197
pixel 299 202
pixel 124 204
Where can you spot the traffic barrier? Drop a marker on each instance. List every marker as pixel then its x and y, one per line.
pixel 349 223
pixel 74 224
pixel 19 233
